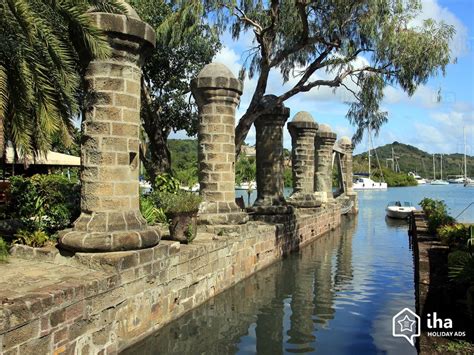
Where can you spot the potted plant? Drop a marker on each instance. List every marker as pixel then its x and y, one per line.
pixel 181 208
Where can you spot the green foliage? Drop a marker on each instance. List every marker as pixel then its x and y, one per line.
pixel 151 212
pixel 184 165
pixel 35 239
pixel 455 235
pixel 44 202
pixel 166 183
pixel 3 250
pixel 180 202
pixel 461 267
pixel 436 212
pixel 288 177
pixel 42 43
pixel 245 169
pixel 394 179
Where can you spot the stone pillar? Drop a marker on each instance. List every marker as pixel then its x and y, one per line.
pixel 346 146
pixel 303 130
pixel 323 145
pixel 111 218
pixel 217 93
pixel 270 158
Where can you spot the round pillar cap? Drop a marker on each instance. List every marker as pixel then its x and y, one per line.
pixel 217 76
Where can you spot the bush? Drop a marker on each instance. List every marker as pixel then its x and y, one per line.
pixel 35 239
pixel 45 203
pixel 166 183
pixel 436 212
pixel 151 212
pixel 180 202
pixel 455 235
pixel 3 250
pixel 461 267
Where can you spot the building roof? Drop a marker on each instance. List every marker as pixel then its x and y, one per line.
pixel 51 158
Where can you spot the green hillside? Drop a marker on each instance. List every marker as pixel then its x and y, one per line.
pixel 413 159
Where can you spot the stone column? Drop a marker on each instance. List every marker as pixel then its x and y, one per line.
pixel 269 158
pixel 217 93
pixel 323 145
pixel 303 130
pixel 346 146
pixel 111 218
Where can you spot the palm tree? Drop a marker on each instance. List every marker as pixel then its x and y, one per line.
pixel 42 44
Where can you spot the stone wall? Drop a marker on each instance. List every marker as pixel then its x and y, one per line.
pixel 134 293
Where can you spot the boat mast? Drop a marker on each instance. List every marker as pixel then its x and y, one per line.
pixel 465 154
pixel 368 143
pixel 441 158
pixel 434 167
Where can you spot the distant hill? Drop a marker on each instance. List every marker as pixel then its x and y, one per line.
pixel 413 159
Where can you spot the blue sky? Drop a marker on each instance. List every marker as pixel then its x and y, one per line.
pixel 436 127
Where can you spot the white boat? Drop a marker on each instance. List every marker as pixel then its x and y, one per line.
pixel 364 183
pixel 438 181
pixel 252 185
pixel 418 178
pixel 456 179
pixel 195 188
pixel 145 187
pixel 395 209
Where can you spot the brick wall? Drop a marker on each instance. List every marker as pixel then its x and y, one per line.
pixel 135 293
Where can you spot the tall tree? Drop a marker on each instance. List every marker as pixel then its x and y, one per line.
pixel 183 48
pixel 41 44
pixel 357 45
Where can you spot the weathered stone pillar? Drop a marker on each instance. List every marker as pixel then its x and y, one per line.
pixel 111 218
pixel 217 93
pixel 346 146
pixel 303 130
pixel 323 145
pixel 270 158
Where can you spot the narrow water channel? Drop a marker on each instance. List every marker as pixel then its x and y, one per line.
pixel 336 296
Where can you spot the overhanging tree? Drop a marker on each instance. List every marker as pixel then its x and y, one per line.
pixel 356 45
pixel 183 48
pixel 41 44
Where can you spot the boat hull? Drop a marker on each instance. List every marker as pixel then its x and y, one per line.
pixel 398 212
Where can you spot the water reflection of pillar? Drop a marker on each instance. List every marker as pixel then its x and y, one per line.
pixel 301 328
pixel 324 294
pixel 269 330
pixel 344 272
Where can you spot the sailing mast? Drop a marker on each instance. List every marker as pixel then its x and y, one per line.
pixel 434 167
pixel 465 154
pixel 368 143
pixel 441 158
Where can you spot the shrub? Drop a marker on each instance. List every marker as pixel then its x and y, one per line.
pixel 180 202
pixel 455 235
pixel 151 213
pixel 45 203
pixel 3 250
pixel 461 267
pixel 436 212
pixel 35 239
pixel 166 183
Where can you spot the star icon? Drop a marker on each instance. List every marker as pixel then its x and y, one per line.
pixel 407 324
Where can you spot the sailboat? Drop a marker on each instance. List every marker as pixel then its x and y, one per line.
pixel 366 183
pixel 467 181
pixel 438 181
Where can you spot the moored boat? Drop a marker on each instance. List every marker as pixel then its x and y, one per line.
pixel 395 209
pixel 365 183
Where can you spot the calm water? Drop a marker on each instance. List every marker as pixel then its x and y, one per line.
pixel 336 296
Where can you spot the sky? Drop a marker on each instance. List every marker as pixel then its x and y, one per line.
pixel 420 120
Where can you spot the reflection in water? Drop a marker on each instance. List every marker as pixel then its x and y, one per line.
pixel 396 223
pixel 277 310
